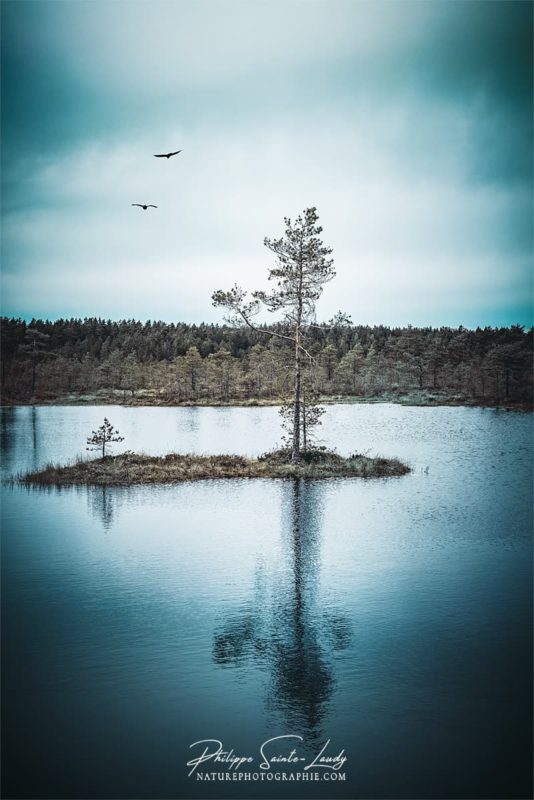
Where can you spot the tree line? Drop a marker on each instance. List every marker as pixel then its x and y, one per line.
pixel 178 362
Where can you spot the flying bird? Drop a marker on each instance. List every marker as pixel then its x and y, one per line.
pixel 166 155
pixel 144 207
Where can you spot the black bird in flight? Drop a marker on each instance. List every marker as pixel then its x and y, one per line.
pixel 144 207
pixel 166 155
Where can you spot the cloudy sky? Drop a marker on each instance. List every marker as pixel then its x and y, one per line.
pixel 407 124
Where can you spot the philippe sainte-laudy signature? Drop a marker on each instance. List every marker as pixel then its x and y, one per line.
pixel 273 753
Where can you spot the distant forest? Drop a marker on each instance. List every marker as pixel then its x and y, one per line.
pixel 177 363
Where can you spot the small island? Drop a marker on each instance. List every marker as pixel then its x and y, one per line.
pixel 131 469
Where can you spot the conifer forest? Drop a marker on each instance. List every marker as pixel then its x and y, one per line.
pixel 178 363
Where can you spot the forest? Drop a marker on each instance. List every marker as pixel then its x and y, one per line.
pixel 173 363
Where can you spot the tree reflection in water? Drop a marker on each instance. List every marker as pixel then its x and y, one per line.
pixel 285 629
pixel 102 504
pixel 35 437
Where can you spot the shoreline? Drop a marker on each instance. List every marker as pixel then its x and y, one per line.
pixel 416 398
pixel 133 469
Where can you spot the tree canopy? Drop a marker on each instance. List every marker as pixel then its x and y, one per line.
pixel 150 359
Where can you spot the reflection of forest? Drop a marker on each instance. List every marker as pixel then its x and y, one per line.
pixel 12 447
pixel 7 434
pixel 285 630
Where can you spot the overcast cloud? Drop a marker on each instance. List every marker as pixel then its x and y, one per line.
pixel 408 125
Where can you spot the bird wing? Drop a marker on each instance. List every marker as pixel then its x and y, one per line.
pixel 137 204
pixel 166 155
pixel 151 206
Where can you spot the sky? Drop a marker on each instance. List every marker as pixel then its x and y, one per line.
pixel 407 124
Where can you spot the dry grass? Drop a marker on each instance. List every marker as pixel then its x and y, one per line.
pixel 131 469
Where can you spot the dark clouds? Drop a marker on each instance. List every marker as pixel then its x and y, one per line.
pixel 409 125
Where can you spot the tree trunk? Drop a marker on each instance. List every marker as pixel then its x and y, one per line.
pixel 304 438
pixel 103 449
pixel 295 454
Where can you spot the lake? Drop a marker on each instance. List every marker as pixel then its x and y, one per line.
pixel 391 617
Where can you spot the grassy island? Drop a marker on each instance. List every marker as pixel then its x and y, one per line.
pixel 131 469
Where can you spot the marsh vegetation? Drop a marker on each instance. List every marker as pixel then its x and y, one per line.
pixel 130 469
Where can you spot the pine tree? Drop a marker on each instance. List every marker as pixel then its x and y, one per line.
pixel 192 366
pixel 303 267
pixel 103 436
pixel 35 347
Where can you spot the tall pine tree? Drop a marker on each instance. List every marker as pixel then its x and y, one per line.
pixel 302 268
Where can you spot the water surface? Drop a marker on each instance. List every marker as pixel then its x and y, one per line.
pixel 390 616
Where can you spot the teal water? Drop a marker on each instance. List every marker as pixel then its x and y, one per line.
pixel 392 617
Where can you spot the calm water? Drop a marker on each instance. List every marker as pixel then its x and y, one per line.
pixel 392 616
